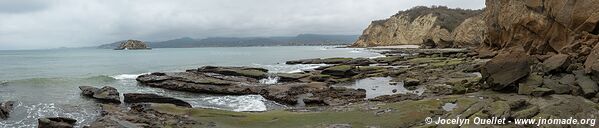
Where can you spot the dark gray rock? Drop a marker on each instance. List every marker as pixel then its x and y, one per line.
pixel 5 109
pixel 533 81
pixel 559 61
pixel 411 82
pixel 287 77
pixel 341 71
pixel 288 93
pixel 105 94
pixel 539 92
pixel 56 122
pixel 153 98
pixel 588 86
pixel 257 73
pixel 88 90
pixel 108 94
pixel 556 86
pixel 505 69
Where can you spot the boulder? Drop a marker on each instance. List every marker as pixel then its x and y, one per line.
pixel 88 90
pixel 105 94
pixel 533 81
pixel 556 86
pixel 505 69
pixel 559 61
pixel 568 79
pixel 153 98
pixel 5 109
pixel 588 86
pixel 108 94
pixel 132 45
pixel 56 122
pixel 341 71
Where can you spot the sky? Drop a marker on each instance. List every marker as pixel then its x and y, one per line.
pixel 41 24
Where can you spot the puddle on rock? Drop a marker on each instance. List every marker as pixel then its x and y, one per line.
pixel 449 106
pixel 378 86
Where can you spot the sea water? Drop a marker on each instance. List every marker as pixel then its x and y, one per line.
pixel 44 83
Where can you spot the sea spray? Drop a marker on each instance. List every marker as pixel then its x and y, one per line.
pixel 242 103
pixel 271 79
pixel 127 76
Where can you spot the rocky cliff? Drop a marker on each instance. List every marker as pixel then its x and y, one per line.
pixel 421 25
pixel 132 45
pixel 543 26
pixel 543 46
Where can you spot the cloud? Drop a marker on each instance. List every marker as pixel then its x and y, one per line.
pixel 22 6
pixel 30 24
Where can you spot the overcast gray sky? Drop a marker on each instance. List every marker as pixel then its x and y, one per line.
pixel 35 24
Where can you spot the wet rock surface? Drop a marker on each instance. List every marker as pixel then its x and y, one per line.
pixel 153 98
pixel 140 115
pixel 56 122
pixel 285 92
pixel 6 108
pixel 105 94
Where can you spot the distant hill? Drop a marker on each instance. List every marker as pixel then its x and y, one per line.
pixel 300 40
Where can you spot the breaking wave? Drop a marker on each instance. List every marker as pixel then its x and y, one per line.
pixel 233 103
pixel 127 76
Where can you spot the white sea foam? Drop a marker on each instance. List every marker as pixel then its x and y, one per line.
pixel 270 80
pixel 234 103
pixel 379 56
pixel 28 113
pixel 284 68
pixel 127 76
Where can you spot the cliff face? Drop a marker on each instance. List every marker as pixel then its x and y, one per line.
pixel 542 26
pixel 546 39
pixel 472 32
pixel 417 26
pixel 132 45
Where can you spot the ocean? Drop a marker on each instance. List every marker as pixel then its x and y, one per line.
pixel 44 83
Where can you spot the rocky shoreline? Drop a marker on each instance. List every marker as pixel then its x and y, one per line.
pixel 531 59
pixel 455 83
pixel 448 78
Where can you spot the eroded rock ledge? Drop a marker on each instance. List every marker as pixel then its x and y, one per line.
pixel 242 81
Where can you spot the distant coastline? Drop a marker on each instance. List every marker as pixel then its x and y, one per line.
pixel 299 40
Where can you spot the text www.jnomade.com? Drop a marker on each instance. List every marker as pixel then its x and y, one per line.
pixel 501 121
